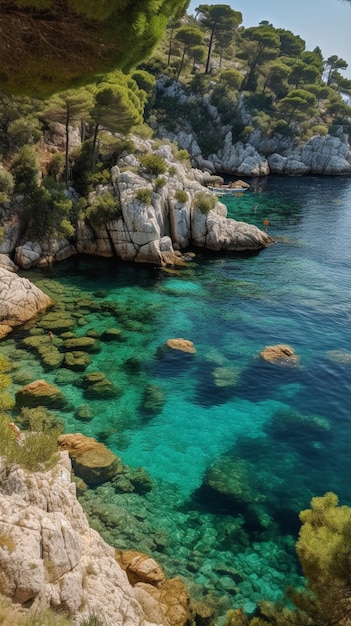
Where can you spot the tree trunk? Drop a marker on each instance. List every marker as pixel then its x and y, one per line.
pixel 209 51
pixel 67 145
pixel 94 155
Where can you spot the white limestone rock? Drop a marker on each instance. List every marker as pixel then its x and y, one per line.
pixel 49 556
pixel 20 300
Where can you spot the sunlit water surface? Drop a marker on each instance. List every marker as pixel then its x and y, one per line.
pixel 238 446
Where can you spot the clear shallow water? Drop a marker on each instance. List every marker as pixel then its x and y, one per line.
pixel 275 436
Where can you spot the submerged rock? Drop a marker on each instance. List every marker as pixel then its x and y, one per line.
pixel 97 385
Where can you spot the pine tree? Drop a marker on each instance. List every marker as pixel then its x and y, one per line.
pixel 51 45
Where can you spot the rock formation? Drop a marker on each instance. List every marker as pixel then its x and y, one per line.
pixel 20 300
pixel 280 354
pixel 49 556
pixel 158 219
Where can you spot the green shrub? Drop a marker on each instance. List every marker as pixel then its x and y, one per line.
pixel 25 170
pixel 38 449
pixel 57 166
pixel 47 214
pixel 23 131
pixel 181 196
pixel 144 195
pixel 102 177
pixel 172 170
pixel 160 182
pixel 205 202
pixel 153 164
pixel 7 184
pixel 105 208
pixel 320 129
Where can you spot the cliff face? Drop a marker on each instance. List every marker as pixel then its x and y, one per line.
pixel 259 155
pixel 49 556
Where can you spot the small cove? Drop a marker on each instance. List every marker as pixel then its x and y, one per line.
pixel 275 436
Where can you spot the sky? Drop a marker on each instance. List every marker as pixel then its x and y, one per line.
pixel 323 23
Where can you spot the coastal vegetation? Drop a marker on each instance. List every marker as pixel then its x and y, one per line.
pixel 233 79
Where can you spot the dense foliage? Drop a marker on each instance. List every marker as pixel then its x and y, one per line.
pixel 49 45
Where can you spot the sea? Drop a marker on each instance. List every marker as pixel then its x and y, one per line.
pixel 231 447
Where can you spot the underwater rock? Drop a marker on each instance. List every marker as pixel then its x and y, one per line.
pixel 280 354
pixel 65 377
pixel 77 360
pixel 339 356
pixel 51 358
pixel 112 334
pixel 153 400
pixel 97 385
pixel 225 376
pixel 56 322
pixel 84 413
pixel 83 344
pixel 40 393
pixel 91 460
pixel 229 486
pixel 304 432
pixel 184 345
pixel 132 479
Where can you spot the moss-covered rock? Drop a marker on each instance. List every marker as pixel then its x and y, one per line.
pixel 77 360
pixel 112 334
pixel 56 322
pixel 84 344
pixel 97 385
pixel 45 348
pixel 84 413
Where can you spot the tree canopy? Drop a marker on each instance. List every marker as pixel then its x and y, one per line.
pixel 51 45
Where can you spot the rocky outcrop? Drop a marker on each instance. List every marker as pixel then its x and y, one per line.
pixel 157 220
pixel 49 556
pixel 259 155
pixel 184 345
pixel 320 155
pixel 280 354
pixel 20 300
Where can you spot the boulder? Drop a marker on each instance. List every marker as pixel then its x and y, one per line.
pixel 141 568
pixel 172 596
pixel 184 345
pixel 20 301
pixel 40 393
pixel 91 460
pixel 280 354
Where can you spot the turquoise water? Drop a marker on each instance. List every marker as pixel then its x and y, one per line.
pixel 236 447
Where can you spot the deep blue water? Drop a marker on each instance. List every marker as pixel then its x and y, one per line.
pixel 276 436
